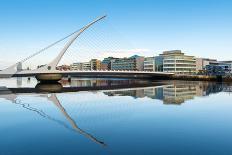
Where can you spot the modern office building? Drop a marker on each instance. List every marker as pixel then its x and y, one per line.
pixel 153 64
pixel 228 69
pixel 106 63
pixel 149 64
pixel 86 66
pixel 76 66
pixel 159 63
pixel 95 64
pixel 63 67
pixel 132 63
pixel 104 66
pixel 177 62
pixel 201 63
pixel 219 68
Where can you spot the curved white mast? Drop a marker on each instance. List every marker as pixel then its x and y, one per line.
pixel 8 72
pixel 53 64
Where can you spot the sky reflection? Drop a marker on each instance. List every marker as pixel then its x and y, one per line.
pixel 185 117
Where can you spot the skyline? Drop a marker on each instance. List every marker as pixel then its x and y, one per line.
pixel 199 28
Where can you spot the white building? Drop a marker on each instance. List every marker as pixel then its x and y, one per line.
pixel 86 66
pixel 177 62
pixel 149 64
pixel 76 66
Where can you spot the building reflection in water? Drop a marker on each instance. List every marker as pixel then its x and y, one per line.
pixel 100 82
pixel 177 92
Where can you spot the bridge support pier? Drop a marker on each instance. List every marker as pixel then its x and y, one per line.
pixel 48 77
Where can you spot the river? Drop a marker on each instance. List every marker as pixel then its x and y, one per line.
pixel 115 117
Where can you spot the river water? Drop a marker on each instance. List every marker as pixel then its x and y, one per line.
pixel 115 117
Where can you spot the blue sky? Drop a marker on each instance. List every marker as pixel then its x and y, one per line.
pixel 198 27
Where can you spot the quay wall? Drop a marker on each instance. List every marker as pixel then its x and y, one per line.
pixel 202 78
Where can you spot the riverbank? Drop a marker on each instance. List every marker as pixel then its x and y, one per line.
pixel 202 78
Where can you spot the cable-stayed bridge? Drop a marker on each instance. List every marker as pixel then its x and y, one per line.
pixel 49 72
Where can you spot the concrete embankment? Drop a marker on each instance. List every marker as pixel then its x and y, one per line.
pixel 202 78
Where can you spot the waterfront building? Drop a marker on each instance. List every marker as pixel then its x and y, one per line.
pixel 228 66
pixel 86 66
pixel 104 66
pixel 63 67
pixel 149 64
pixel 177 62
pixel 219 68
pixel 95 64
pixel 76 66
pixel 153 64
pixel 106 63
pixel 201 63
pixel 159 63
pixel 132 63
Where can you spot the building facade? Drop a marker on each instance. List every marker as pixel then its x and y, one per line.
pixel 228 69
pixel 134 63
pixel 201 63
pixel 177 62
pixel 153 64
pixel 77 66
pixel 95 64
pixel 219 68
pixel 106 63
pixel 63 67
pixel 86 66
pixel 149 64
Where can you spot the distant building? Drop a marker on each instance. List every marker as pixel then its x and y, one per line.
pixel 201 63
pixel 149 64
pixel 76 66
pixel 106 63
pixel 153 64
pixel 219 68
pixel 177 62
pixel 95 64
pixel 104 66
pixel 86 66
pixel 63 67
pixel 132 63
pixel 159 63
pixel 228 70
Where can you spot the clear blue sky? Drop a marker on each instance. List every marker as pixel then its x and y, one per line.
pixel 198 27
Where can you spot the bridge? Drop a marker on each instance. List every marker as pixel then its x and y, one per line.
pixel 49 71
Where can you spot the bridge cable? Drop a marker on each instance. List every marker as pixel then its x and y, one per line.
pixel 49 46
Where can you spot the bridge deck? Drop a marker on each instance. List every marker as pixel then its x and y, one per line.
pixel 97 73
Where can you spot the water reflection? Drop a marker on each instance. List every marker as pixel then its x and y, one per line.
pixel 170 92
pixel 176 92
pixel 53 98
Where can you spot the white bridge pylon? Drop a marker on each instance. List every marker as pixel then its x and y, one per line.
pixel 10 71
pixel 52 65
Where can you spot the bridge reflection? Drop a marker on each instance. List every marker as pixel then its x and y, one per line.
pixel 53 98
